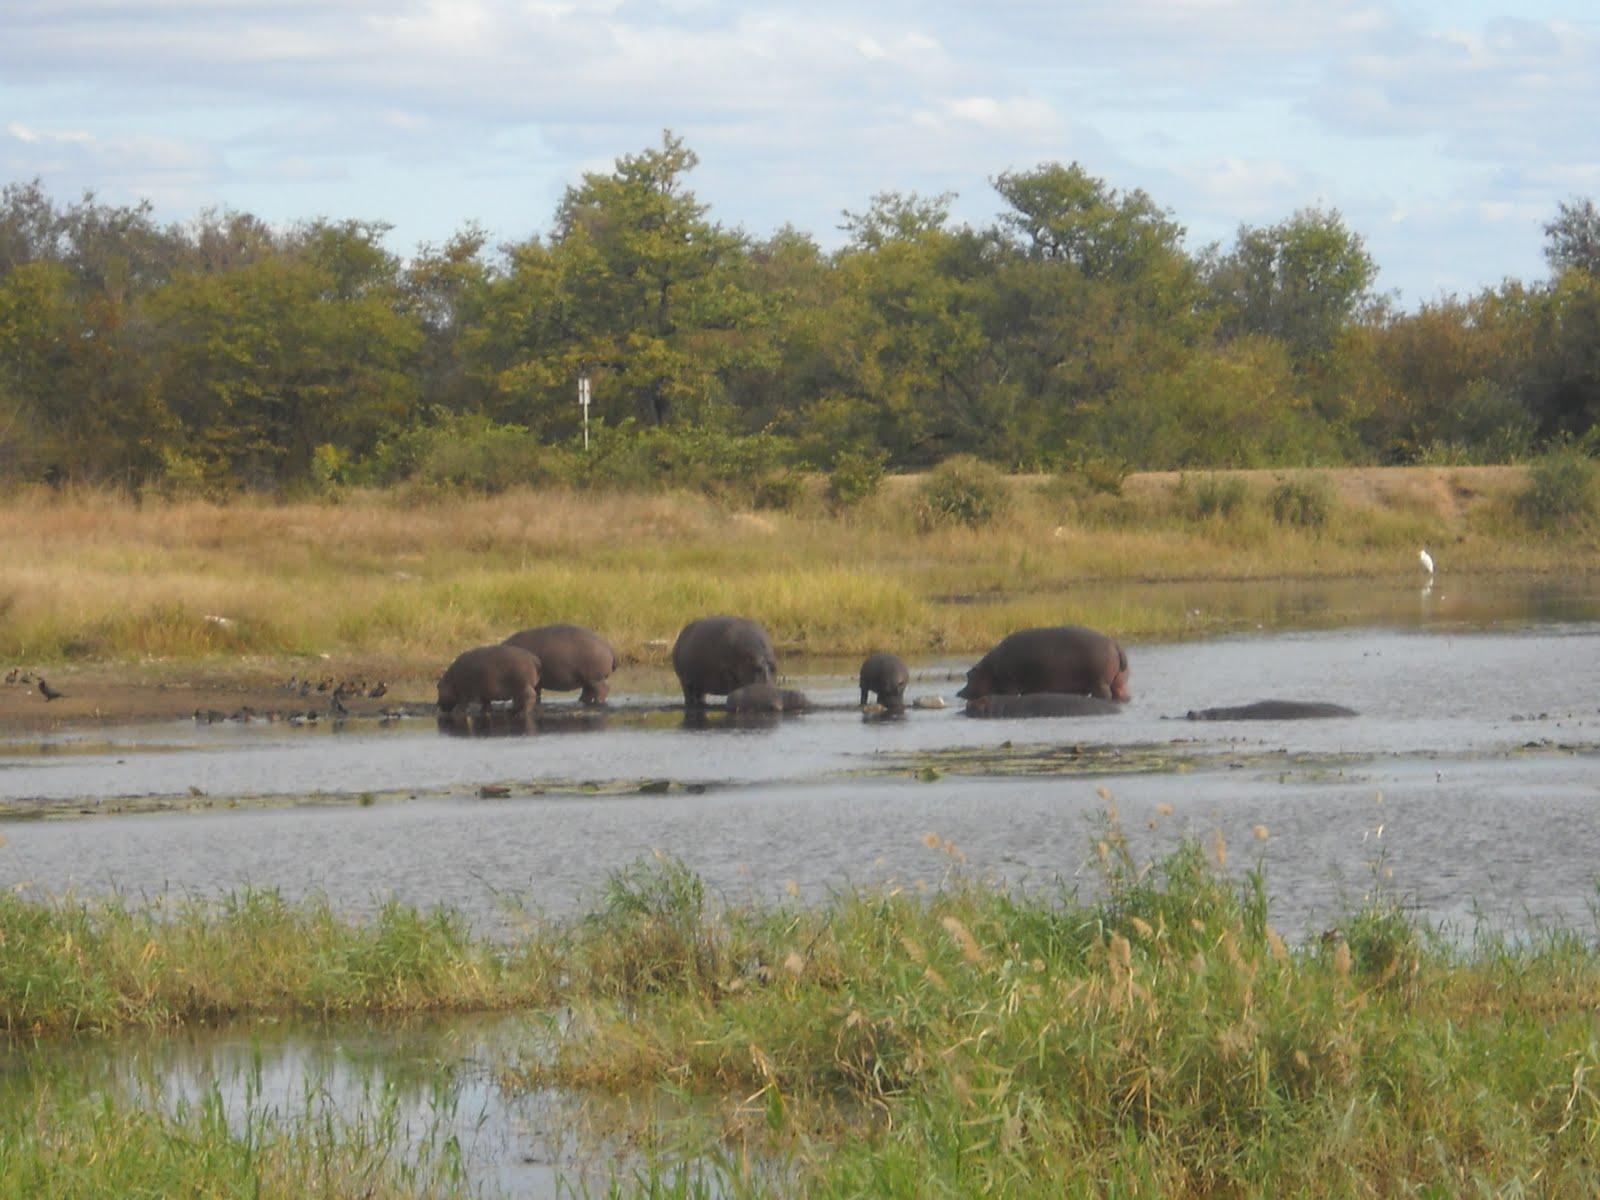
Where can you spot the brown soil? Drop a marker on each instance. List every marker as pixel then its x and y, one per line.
pixel 121 694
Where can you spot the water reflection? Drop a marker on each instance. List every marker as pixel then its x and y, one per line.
pixel 430 1088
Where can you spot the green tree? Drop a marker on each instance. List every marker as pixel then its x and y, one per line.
pixel 1302 280
pixel 1572 240
pixel 635 287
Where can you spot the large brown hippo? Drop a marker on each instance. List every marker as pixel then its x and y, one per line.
pixel 1041 704
pixel 1057 658
pixel 570 657
pixel 490 675
pixel 766 697
pixel 885 675
pixel 718 655
pixel 1273 710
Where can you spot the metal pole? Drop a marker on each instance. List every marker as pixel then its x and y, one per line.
pixel 583 399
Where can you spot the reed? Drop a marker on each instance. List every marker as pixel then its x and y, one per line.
pixel 61 1139
pixel 1163 1040
pixel 95 577
pixel 1154 1035
pixel 75 966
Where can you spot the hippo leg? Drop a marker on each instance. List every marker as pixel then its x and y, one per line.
pixel 594 692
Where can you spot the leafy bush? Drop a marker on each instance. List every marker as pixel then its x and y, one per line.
pixel 1561 491
pixel 1303 502
pixel 692 457
pixel 856 476
pixel 961 491
pixel 1212 496
pixel 467 452
pixel 780 490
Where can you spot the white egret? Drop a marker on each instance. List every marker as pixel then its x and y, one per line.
pixel 1427 560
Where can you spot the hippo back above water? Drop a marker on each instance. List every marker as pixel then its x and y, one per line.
pixel 766 698
pixel 571 658
pixel 1273 710
pixel 718 655
pixel 491 675
pixel 1058 658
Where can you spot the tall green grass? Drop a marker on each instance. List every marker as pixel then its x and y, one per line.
pixel 59 1139
pixel 69 966
pixel 1154 1035
pixel 1162 1040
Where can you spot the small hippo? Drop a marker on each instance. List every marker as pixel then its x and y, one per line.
pixel 766 698
pixel 886 675
pixel 1041 704
pixel 1273 710
pixel 490 675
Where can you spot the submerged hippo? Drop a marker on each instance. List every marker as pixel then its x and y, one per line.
pixel 491 675
pixel 570 658
pixel 886 676
pixel 1041 704
pixel 1273 710
pixel 718 655
pixel 766 698
pixel 1058 658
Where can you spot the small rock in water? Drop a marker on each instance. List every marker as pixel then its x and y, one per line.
pixel 928 702
pixel 654 787
pixel 494 791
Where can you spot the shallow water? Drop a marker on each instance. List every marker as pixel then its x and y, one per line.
pixel 421 1085
pixel 1480 735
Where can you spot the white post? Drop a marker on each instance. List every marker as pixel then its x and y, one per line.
pixel 583 399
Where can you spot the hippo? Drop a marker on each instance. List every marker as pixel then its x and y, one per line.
pixel 1273 710
pixel 887 676
pixel 489 675
pixel 570 658
pixel 766 697
pixel 1057 658
pixel 719 655
pixel 1041 704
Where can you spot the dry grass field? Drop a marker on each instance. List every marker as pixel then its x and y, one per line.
pixel 97 582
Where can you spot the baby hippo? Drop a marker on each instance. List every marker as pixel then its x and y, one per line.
pixel 491 675
pixel 766 698
pixel 1041 704
pixel 887 676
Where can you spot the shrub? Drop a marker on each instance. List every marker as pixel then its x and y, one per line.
pixel 1561 490
pixel 856 476
pixel 466 452
pixel 961 491
pixel 780 490
pixel 1303 502
pixel 1212 496
pixel 692 457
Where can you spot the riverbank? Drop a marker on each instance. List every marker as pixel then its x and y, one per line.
pixel 215 605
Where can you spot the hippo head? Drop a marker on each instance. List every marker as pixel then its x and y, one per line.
pixel 1119 677
pixel 980 682
pixel 758 667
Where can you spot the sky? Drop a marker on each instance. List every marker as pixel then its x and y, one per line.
pixel 1446 133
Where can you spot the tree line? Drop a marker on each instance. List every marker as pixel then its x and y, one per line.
pixel 223 353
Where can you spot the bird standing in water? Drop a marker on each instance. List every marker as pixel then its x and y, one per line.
pixel 48 692
pixel 1426 559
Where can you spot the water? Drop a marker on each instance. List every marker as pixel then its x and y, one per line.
pixel 430 1089
pixel 1468 786
pixel 1480 737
